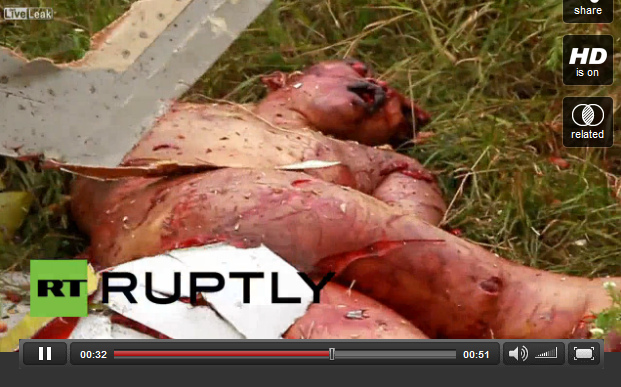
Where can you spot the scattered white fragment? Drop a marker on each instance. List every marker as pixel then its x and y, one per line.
pixel 310 164
pixel 119 332
pixel 580 242
pixel 597 331
pixel 94 327
pixel 12 313
pixel 297 85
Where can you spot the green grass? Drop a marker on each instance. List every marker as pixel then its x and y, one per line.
pixel 488 70
pixel 607 324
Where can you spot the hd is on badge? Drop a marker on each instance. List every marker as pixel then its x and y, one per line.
pixel 588 60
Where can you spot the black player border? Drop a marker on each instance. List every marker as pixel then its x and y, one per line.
pixel 494 356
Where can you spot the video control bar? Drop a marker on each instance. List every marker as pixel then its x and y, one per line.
pixel 585 353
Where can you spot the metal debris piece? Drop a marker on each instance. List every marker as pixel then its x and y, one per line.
pixel 357 314
pixel 94 110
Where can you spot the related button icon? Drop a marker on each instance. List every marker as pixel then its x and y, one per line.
pixel 588 122
pixel 588 60
pixel 520 353
pixel 45 353
pixel 587 117
pixel 585 353
pixel 588 11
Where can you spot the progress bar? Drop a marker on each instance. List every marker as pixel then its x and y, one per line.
pixel 331 353
pixel 140 354
pixel 414 354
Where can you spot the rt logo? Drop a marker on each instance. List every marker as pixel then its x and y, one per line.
pixel 58 288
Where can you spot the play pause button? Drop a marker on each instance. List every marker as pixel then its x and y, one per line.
pixel 45 353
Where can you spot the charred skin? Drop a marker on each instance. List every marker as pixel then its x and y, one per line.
pixel 445 286
pixel 371 218
pixel 229 136
pixel 342 99
pixel 347 68
pixel 329 319
pixel 326 320
pixel 235 137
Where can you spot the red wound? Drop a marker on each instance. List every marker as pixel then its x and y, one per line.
pixel 339 262
pixel 297 183
pixel 419 175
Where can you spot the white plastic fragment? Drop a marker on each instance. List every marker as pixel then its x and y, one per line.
pixel 177 320
pixel 98 326
pixel 13 312
pixel 93 327
pixel 119 332
pixel 310 164
pixel 259 319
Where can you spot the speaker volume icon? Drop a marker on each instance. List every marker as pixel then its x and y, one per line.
pixel 519 353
